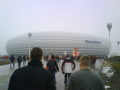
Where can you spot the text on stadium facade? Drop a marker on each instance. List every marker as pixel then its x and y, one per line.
pixel 95 42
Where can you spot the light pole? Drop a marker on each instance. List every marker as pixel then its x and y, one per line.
pixel 29 35
pixel 109 26
pixel 118 42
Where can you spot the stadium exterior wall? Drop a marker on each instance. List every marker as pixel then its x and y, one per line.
pixel 58 43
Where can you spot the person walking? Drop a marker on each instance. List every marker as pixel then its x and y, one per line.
pixel 12 60
pixel 24 60
pixel 33 76
pixel 99 64
pixel 93 59
pixel 53 66
pixel 19 60
pixel 68 66
pixel 85 78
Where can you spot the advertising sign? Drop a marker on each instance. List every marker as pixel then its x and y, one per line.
pixel 76 52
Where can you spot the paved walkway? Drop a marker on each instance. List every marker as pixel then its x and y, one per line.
pixel 6 72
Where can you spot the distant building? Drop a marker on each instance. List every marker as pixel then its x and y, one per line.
pixel 58 43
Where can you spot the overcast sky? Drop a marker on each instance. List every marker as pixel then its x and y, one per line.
pixel 85 16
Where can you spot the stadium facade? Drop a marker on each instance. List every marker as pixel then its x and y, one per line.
pixel 58 43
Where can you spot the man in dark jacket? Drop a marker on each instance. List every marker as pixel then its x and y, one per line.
pixel 33 76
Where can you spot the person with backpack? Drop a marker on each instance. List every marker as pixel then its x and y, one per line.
pixel 53 66
pixel 68 66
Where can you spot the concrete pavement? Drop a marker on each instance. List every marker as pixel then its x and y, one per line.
pixel 6 72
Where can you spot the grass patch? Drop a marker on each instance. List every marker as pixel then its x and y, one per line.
pixel 4 62
pixel 115 58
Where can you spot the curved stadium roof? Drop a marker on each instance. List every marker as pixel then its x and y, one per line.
pixel 58 43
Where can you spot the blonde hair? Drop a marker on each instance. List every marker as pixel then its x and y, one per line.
pixel 85 60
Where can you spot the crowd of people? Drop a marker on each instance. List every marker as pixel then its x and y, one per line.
pixel 19 60
pixel 36 77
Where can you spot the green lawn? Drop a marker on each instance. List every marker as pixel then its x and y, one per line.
pixel 3 62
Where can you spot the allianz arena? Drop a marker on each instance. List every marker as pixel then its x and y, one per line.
pixel 58 42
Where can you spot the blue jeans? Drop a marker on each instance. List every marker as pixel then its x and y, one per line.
pixel 12 65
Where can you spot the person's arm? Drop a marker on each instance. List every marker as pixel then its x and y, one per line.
pixel 12 82
pixel 47 63
pixel 62 67
pixel 56 65
pixel 101 84
pixel 51 83
pixel 73 65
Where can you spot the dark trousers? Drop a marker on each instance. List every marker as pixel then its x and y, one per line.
pixel 66 77
pixel 24 62
pixel 53 73
pixel 19 64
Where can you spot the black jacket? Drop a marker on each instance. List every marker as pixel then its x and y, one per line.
pixel 52 66
pixel 32 77
pixel 19 59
